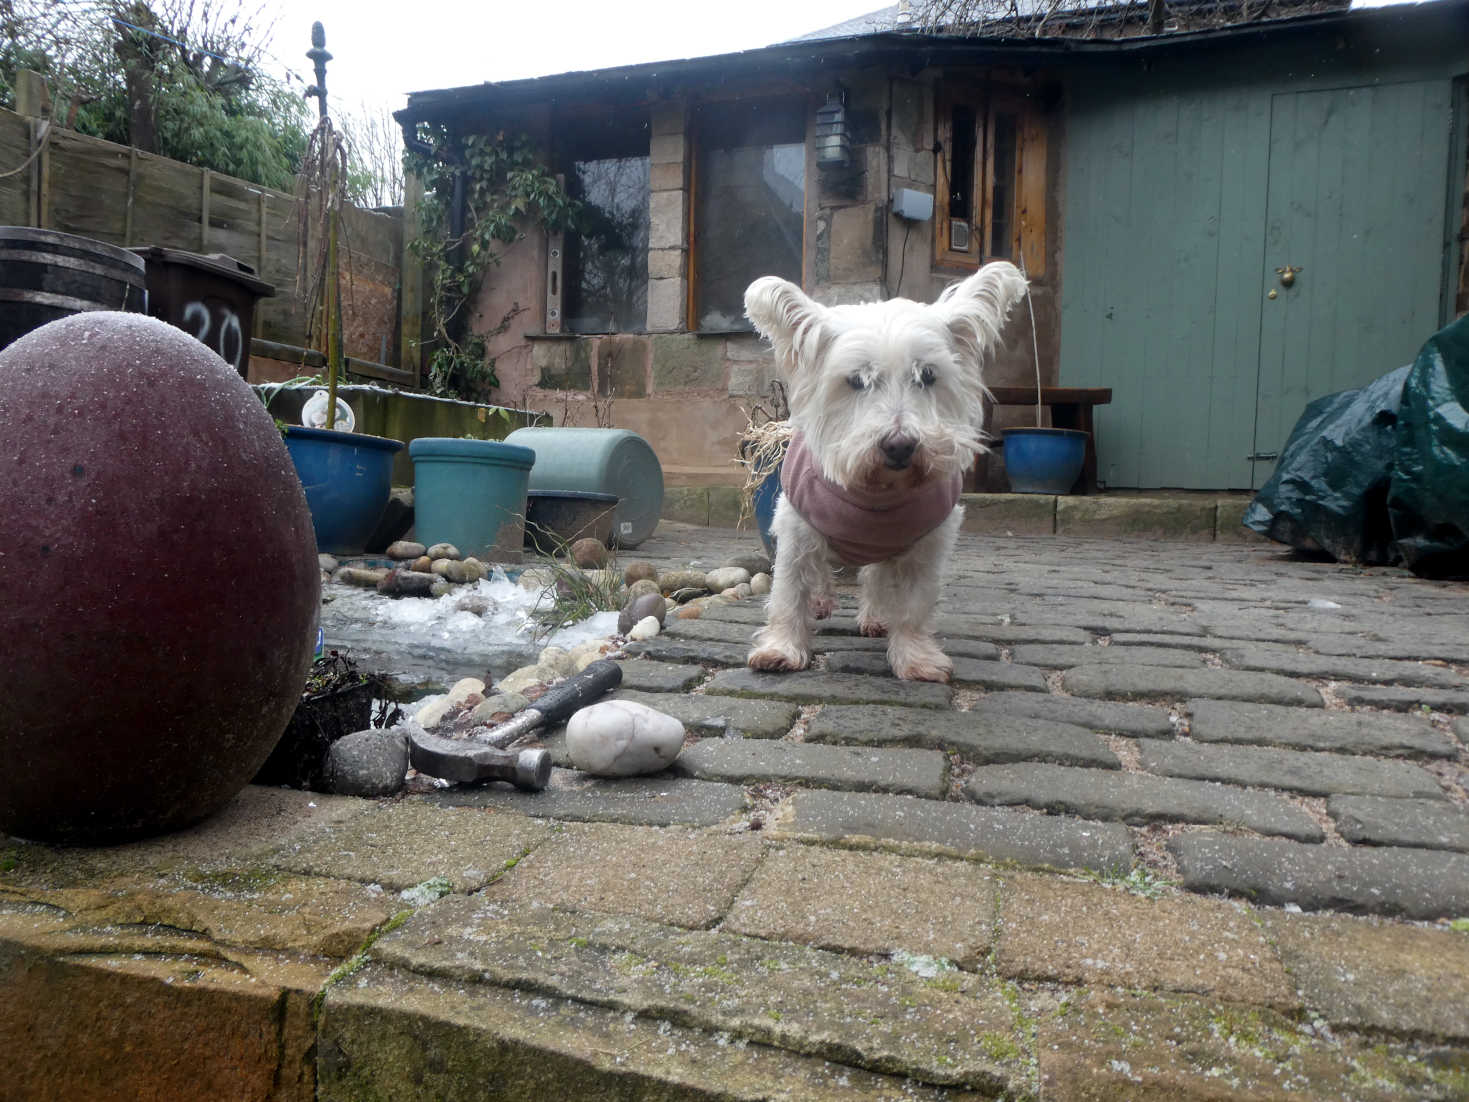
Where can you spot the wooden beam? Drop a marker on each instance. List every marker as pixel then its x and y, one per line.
pixel 127 217
pixel 205 186
pixel 410 283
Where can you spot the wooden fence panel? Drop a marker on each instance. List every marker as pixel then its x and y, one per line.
pixel 111 193
pixel 89 187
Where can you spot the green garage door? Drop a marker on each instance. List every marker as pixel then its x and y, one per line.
pixel 1356 203
pixel 1182 198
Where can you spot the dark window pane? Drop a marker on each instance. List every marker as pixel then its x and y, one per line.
pixel 606 264
pixel 750 205
pixel 961 161
pixel 1002 188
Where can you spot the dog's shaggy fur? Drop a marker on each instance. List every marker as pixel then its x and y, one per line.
pixel 888 399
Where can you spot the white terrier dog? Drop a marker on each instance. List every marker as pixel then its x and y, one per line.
pixel 887 408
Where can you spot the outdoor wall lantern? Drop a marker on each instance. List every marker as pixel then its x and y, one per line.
pixel 833 147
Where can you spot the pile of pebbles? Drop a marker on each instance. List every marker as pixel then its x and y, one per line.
pixel 649 599
pixel 420 571
pixel 368 763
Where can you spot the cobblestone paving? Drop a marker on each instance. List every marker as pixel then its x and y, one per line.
pixel 1283 730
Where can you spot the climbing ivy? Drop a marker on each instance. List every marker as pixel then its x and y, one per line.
pixel 507 188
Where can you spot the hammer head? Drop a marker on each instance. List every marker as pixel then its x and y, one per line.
pixel 473 762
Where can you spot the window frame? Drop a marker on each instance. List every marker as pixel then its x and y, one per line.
pixel 987 104
pixel 797 101
pixel 566 147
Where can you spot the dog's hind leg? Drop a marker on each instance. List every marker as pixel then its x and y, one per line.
pixel 902 593
pixel 802 574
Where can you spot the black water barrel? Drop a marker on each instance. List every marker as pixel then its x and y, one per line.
pixel 45 275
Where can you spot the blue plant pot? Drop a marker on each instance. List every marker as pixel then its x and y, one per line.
pixel 1044 461
pixel 764 504
pixel 347 477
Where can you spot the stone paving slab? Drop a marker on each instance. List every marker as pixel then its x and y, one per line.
pixel 816 687
pixel 663 648
pixel 659 800
pixel 105 1020
pixel 969 626
pixel 1064 657
pixel 681 877
pixel 1103 1045
pixel 392 1034
pixel 1391 880
pixel 651 676
pixel 404 844
pixel 1341 668
pixel 1399 698
pixel 946 908
pixel 1078 933
pixel 995 834
pixel 980 737
pixel 954 647
pixel 851 768
pixel 1364 973
pixel 967 671
pixel 1313 729
pixel 1377 821
pixel 710 630
pixel 1165 683
pixel 1110 617
pixel 1307 772
pixel 720 715
pixel 1137 799
pixel 1107 716
pixel 879 1017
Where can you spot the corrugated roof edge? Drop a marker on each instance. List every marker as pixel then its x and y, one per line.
pixel 909 45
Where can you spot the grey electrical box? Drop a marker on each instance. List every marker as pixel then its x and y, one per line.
pixel 915 206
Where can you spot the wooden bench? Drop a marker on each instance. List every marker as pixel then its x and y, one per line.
pixel 1071 408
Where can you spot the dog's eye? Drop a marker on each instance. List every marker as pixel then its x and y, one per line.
pixel 926 376
pixel 856 382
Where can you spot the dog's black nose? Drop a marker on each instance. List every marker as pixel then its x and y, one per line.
pixel 898 450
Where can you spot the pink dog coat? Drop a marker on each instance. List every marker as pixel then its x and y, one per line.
pixel 864 526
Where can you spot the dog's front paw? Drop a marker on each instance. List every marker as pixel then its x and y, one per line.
pixel 919 660
pixel 821 607
pixel 873 629
pixel 775 657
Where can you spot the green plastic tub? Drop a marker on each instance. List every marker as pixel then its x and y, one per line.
pixel 600 461
pixel 471 493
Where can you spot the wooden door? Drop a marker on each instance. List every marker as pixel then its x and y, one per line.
pixel 1354 244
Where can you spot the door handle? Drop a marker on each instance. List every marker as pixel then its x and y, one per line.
pixel 1287 274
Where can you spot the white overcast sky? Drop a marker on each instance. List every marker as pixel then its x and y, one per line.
pixel 383 50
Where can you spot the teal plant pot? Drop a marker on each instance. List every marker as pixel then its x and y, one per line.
pixel 347 477
pixel 1044 461
pixel 471 493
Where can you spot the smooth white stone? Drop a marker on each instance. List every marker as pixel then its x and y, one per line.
pixel 584 655
pixel 619 738
pixel 726 577
pixel 558 659
pixel 465 688
pixel 760 585
pixel 523 678
pixel 429 715
pixel 645 628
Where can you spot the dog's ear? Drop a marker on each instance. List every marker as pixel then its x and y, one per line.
pixel 975 310
pixel 788 319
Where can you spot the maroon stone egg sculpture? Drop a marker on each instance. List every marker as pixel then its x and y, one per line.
pixel 158 581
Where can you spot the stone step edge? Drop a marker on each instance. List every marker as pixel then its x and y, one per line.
pixel 1205 519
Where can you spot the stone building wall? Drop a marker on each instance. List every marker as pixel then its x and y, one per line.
pixel 690 394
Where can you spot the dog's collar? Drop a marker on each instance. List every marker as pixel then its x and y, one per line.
pixel 864 527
